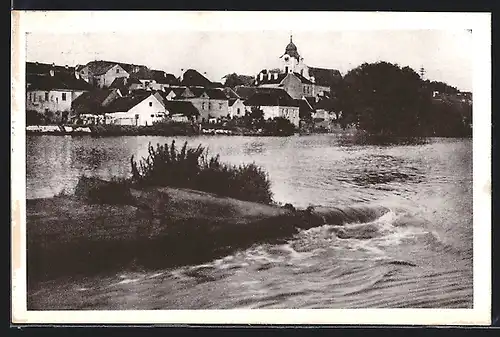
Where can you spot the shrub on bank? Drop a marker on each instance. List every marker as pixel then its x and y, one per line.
pixel 193 168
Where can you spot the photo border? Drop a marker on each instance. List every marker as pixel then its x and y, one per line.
pixel 480 23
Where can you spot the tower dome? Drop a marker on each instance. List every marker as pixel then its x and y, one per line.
pixel 291 49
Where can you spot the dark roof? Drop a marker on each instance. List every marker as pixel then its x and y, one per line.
pixel 62 81
pixel 91 101
pixel 230 93
pixel 277 97
pixel 126 103
pixel 305 106
pixel 216 93
pixel 37 68
pixel 245 91
pixel 193 78
pixel 164 78
pixel 325 77
pixel 181 107
pixel 124 83
pixel 217 85
pixel 101 67
pixel 197 91
pixel 231 101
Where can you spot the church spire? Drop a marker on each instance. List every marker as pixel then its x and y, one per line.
pixel 291 38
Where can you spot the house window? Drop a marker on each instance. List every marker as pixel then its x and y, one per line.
pixel 203 106
pixel 286 70
pixel 220 106
pixel 117 70
pixel 238 111
pixel 209 105
pixel 152 115
pixel 63 96
pixel 46 96
pixel 150 103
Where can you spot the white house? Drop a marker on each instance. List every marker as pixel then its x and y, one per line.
pixel 52 94
pixel 139 110
pixel 236 108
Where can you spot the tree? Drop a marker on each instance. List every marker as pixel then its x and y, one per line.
pixel 233 80
pixel 382 98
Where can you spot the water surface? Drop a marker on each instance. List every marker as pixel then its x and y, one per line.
pixel 417 255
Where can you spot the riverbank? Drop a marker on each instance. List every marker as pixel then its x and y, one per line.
pixel 158 228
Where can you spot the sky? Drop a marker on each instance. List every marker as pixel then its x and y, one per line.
pixel 446 55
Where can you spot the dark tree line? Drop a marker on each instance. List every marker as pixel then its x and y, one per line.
pixel 386 99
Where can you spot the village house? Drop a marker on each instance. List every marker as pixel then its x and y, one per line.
pixel 236 104
pixel 51 94
pixel 126 84
pixel 135 109
pixel 296 85
pixel 212 103
pixel 102 74
pixel 237 108
pixel 181 111
pixel 276 103
pixel 88 107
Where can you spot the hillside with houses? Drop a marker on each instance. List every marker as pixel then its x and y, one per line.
pixel 309 99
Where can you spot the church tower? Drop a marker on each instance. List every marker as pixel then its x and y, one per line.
pixel 291 60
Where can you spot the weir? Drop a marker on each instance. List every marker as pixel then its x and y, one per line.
pixel 160 228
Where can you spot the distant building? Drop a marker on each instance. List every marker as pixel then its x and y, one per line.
pixel 102 74
pixel 237 108
pixel 89 106
pixel 139 110
pixel 181 111
pixel 276 103
pixel 298 79
pixel 51 91
pixel 210 102
pixel 192 78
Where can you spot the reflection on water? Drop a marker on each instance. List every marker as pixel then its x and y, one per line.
pixel 417 255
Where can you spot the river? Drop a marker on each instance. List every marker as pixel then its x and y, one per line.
pixel 419 255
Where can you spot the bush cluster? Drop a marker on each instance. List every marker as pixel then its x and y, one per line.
pixel 193 168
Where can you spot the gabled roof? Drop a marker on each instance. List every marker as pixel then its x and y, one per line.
pixel 230 93
pixel 245 91
pixel 92 101
pixel 276 97
pixel 99 67
pixel 302 79
pixel 126 103
pixel 164 78
pixel 37 68
pixel 185 108
pixel 60 80
pixel 231 101
pixel 216 93
pixel 192 78
pixel 305 106
pixel 324 77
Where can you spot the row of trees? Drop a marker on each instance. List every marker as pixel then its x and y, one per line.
pixel 383 98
